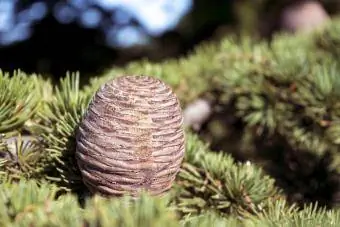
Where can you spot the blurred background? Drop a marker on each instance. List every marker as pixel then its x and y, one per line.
pixel 52 37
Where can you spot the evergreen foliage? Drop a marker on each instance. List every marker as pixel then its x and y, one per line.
pixel 273 99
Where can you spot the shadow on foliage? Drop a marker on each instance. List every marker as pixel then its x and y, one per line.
pixel 302 175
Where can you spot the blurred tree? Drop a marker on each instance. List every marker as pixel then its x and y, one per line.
pixel 90 35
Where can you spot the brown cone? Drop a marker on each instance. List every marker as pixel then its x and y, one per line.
pixel 303 16
pixel 131 138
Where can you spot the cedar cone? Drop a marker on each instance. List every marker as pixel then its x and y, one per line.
pixel 131 138
pixel 303 16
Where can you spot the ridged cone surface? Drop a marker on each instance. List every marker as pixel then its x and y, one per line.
pixel 131 137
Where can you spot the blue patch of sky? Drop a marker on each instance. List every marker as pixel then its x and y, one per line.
pixel 156 17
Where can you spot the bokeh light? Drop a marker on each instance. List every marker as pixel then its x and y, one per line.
pixel 154 16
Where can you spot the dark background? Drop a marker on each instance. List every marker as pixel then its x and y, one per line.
pixel 60 42
pixel 86 36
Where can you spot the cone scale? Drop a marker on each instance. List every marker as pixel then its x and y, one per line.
pixel 131 138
